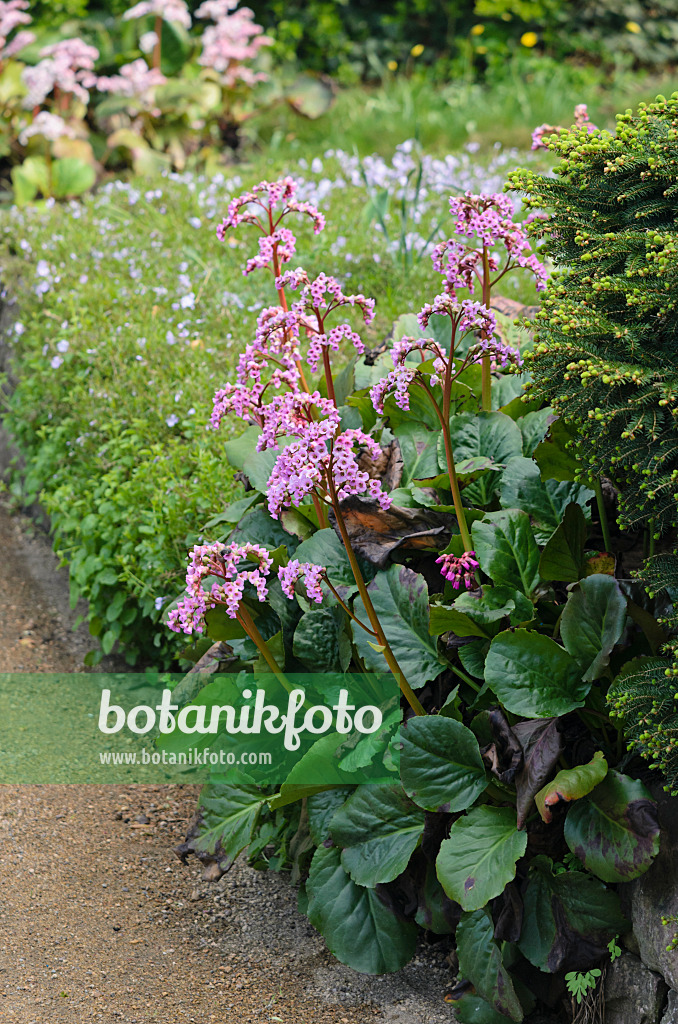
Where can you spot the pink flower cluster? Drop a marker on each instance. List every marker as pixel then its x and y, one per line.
pixel 398 381
pixel 323 461
pixel 49 126
pixel 489 219
pixel 268 195
pixel 311 574
pixel 11 16
pixel 317 300
pixel 67 66
pixel 460 569
pixel 292 413
pixel 224 562
pixel 466 315
pixel 233 40
pixel 137 80
pixel 169 10
pixel 276 345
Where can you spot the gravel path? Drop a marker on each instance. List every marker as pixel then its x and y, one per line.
pixel 98 919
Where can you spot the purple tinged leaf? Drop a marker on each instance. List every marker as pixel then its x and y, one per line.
pixel 542 745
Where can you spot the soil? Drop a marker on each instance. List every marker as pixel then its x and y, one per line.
pixel 99 921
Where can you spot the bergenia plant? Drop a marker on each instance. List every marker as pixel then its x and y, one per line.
pixel 393 522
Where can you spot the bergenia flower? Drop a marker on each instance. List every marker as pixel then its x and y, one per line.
pixel 228 563
pixel 135 80
pixel 318 299
pixel 267 197
pixel 398 381
pixel 466 315
pixel 291 414
pixel 488 219
pixel 315 464
pixel 235 39
pixel 11 16
pixel 215 9
pixel 168 10
pixel 49 126
pixel 311 575
pixel 67 65
pixel 460 569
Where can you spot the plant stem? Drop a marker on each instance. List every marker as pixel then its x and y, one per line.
pixel 283 298
pixel 328 376
pixel 157 49
pixel 454 483
pixel 323 521
pixel 247 622
pixel 466 678
pixel 604 525
pixel 389 656
pixel 486 401
pixel 347 609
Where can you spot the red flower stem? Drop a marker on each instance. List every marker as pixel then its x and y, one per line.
pixel 449 458
pixel 389 656
pixel 247 622
pixel 157 49
pixel 486 359
pixel 323 521
pixel 328 376
pixel 347 609
pixel 283 298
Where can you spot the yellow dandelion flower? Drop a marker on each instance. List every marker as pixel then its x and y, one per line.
pixel 417 50
pixel 392 65
pixel 529 39
pixel 477 30
pixel 633 26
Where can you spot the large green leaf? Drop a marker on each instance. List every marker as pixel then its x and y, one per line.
pixel 320 640
pixel 259 527
pixel 481 616
pixel 571 784
pixel 614 831
pixel 506 549
pixel 533 427
pixel 471 1009
pixel 533 676
pixel 359 929
pixel 480 962
pixel 225 820
pixel 491 434
pixel 485 433
pixel 176 47
pixel 321 809
pixel 400 599
pixel 544 501
pixel 555 456
pixel 71 177
pixel 440 763
pixel 310 96
pixel 569 918
pixel 479 859
pixel 378 828
pixel 563 557
pixel 419 449
pixel 325 548
pixel 436 911
pixel 592 623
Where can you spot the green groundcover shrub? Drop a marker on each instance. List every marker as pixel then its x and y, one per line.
pixel 409 510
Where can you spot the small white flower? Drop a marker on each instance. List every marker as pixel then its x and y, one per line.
pixel 147 42
pixel 56 362
pixel 62 346
pixel 172 420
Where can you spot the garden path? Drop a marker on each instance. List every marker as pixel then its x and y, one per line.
pixel 100 922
